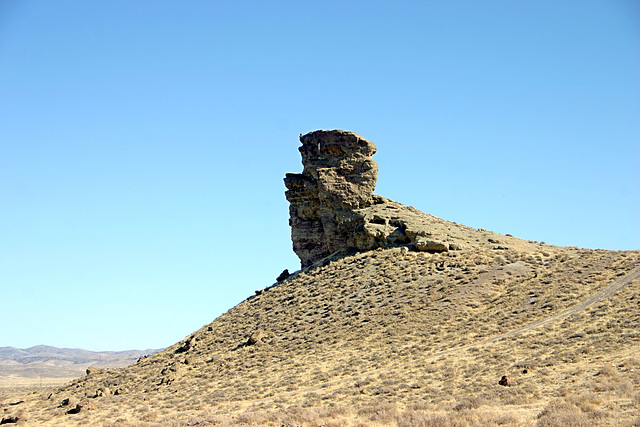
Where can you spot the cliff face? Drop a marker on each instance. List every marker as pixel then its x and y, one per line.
pixel 338 179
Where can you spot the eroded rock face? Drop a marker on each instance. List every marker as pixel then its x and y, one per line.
pixel 338 179
pixel 333 208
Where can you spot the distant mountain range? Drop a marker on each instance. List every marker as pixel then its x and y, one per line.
pixel 54 362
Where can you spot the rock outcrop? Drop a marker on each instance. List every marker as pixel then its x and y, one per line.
pixel 338 179
pixel 506 381
pixel 333 209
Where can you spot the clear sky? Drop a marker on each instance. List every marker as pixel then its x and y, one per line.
pixel 143 143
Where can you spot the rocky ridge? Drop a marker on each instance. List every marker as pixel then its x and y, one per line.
pixel 333 209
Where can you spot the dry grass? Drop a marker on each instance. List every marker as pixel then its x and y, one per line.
pixel 395 338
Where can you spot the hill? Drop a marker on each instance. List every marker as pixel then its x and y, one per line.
pixel 45 363
pixel 413 321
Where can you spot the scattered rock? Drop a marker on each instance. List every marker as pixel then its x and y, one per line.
pixel 91 370
pixel 76 409
pixel 10 419
pixel 166 380
pixel 431 246
pixel 186 346
pixel 256 338
pixel 103 391
pixel 506 381
pixel 69 401
pixel 285 273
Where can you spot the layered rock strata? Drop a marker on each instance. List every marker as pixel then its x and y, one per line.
pixel 338 179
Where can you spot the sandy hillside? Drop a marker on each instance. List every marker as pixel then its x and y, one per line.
pixel 396 337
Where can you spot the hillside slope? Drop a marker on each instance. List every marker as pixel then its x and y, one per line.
pixel 397 318
pixel 413 329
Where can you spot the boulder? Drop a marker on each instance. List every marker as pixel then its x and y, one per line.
pixel 76 409
pixel 91 370
pixel 256 338
pixel 170 373
pixel 285 273
pixel 431 246
pixel 506 381
pixel 186 346
pixel 69 401
pixel 103 391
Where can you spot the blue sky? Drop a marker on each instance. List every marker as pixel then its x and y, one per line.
pixel 143 143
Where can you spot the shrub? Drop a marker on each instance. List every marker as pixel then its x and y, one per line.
pixel 470 403
pixel 381 412
pixel 422 419
pixel 562 413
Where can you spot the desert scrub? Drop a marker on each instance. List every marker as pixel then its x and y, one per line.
pixel 422 419
pixel 413 418
pixel 381 412
pixel 562 413
pixel 470 403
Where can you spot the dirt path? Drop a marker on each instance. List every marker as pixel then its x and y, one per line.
pixel 581 306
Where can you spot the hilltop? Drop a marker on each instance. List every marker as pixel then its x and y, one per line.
pixel 396 318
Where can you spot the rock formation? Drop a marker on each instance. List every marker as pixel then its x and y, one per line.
pixel 338 179
pixel 333 208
